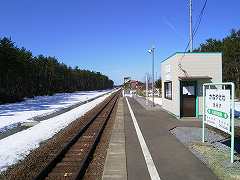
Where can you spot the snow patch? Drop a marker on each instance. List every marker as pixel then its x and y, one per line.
pixel 17 146
pixel 16 113
pixel 157 100
pixel 237 109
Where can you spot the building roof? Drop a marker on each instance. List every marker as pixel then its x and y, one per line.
pixel 190 53
pixel 134 81
pixel 185 78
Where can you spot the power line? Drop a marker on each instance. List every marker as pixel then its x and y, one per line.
pixel 196 27
pixel 200 17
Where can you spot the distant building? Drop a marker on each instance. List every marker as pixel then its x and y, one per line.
pixel 126 79
pixel 183 75
pixel 133 84
pixel 136 85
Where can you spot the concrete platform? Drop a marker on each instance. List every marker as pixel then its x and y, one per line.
pixel 115 165
pixel 172 160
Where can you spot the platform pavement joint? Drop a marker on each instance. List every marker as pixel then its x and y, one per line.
pixel 115 164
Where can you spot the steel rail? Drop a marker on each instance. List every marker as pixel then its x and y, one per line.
pixel 84 163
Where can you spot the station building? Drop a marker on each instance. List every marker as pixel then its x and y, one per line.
pixel 183 75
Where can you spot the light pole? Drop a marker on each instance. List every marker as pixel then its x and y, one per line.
pixel 146 89
pixel 151 51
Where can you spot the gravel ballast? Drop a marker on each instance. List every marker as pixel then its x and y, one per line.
pixel 214 153
pixel 29 167
pixel 96 166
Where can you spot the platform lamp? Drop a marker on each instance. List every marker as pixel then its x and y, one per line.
pixel 146 86
pixel 151 51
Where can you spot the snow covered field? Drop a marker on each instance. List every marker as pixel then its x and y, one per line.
pixel 15 113
pixel 17 146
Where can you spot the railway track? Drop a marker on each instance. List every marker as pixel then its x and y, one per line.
pixel 72 160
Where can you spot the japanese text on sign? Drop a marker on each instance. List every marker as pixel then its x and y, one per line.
pixel 217 109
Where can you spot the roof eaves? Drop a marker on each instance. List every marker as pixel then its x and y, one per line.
pixel 190 53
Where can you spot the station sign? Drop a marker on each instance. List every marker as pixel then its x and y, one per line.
pixel 218 109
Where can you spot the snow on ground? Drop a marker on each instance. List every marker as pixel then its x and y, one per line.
pixel 15 113
pixel 237 109
pixel 128 95
pixel 17 146
pixel 157 100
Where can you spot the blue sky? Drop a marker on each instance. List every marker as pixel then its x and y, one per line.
pixel 112 36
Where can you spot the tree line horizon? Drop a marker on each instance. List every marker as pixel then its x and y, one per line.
pixel 230 48
pixel 23 75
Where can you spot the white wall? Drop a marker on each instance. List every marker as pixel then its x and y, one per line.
pixel 171 105
pixel 194 64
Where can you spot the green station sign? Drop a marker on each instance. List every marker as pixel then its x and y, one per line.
pixel 218 113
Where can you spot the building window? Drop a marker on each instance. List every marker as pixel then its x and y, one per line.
pixel 168 90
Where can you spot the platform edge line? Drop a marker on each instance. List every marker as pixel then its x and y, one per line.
pixel 147 156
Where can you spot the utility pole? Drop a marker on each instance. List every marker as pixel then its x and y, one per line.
pixel 190 26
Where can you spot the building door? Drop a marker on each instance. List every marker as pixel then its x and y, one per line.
pixel 188 98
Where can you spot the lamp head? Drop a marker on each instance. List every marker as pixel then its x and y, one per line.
pixel 149 51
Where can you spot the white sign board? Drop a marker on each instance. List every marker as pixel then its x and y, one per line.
pixel 218 108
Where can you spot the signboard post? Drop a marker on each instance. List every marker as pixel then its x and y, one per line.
pixel 218 109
